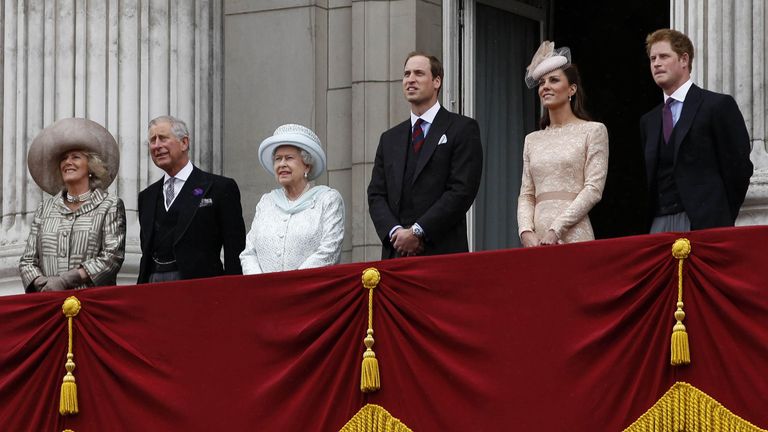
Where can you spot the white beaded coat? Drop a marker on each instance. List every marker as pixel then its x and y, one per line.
pixel 306 236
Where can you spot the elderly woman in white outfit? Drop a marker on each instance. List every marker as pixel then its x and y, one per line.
pixel 297 225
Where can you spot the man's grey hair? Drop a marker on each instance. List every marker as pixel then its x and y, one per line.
pixel 178 127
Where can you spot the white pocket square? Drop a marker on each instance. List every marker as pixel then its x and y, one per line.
pixel 205 202
pixel 443 140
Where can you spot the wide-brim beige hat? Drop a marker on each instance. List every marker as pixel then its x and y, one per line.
pixel 297 136
pixel 66 135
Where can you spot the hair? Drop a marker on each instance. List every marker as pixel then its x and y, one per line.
pixel 99 176
pixel 578 100
pixel 434 65
pixel 679 42
pixel 178 127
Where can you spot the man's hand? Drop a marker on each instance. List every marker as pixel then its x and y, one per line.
pixel 406 243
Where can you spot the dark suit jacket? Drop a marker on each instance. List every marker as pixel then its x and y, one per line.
pixel 204 227
pixel 712 166
pixel 444 185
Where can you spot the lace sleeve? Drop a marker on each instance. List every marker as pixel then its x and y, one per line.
pixel 526 202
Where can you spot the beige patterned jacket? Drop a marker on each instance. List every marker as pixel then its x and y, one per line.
pixel 93 236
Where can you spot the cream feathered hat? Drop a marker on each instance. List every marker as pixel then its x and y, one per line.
pixel 545 60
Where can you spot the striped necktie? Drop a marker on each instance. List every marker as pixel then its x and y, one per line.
pixel 418 136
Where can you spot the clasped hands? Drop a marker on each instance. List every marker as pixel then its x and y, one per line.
pixel 406 243
pixel 530 239
pixel 67 280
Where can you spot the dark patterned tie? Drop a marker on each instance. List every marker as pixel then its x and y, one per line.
pixel 418 136
pixel 666 119
pixel 169 192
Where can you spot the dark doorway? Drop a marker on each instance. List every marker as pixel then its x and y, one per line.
pixel 607 41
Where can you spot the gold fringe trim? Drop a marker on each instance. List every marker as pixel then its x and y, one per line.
pixel 68 401
pixel 686 408
pixel 369 374
pixel 373 418
pixel 680 352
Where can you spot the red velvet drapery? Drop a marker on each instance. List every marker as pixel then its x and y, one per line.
pixel 573 337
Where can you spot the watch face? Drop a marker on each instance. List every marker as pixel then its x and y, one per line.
pixel 417 231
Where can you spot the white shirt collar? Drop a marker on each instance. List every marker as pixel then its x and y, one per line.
pixel 182 175
pixel 680 93
pixel 428 116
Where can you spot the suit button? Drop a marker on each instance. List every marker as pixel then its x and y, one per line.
pixel 279 254
pixel 281 235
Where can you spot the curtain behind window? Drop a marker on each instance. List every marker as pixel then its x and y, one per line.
pixel 506 110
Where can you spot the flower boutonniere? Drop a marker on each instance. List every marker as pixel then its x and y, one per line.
pixel 197 192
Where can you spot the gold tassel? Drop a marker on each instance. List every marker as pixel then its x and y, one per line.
pixel 68 401
pixel 680 351
pixel 369 374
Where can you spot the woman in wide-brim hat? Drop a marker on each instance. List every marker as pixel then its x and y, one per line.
pixel 297 225
pixel 77 239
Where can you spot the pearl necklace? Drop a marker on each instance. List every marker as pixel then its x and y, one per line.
pixel 78 198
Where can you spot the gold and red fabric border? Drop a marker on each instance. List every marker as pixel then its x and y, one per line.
pixel 573 337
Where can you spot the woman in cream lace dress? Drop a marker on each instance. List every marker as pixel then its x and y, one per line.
pixel 566 162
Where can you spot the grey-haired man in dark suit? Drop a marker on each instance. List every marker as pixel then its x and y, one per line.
pixel 187 216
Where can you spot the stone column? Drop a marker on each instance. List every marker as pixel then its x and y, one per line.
pixel 119 63
pixel 731 56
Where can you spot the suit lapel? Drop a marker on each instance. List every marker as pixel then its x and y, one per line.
pixel 652 141
pixel 195 188
pixel 690 107
pixel 150 207
pixel 436 130
pixel 400 147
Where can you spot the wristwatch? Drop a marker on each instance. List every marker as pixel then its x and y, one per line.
pixel 417 231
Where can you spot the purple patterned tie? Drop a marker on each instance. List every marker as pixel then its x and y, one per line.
pixel 666 119
pixel 418 136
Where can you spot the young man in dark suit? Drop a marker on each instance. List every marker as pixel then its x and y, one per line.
pixel 426 172
pixel 187 216
pixel 696 145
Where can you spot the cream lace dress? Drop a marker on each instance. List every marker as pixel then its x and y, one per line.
pixel 564 170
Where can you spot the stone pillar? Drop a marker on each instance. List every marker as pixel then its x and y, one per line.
pixel 730 57
pixel 383 33
pixel 119 63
